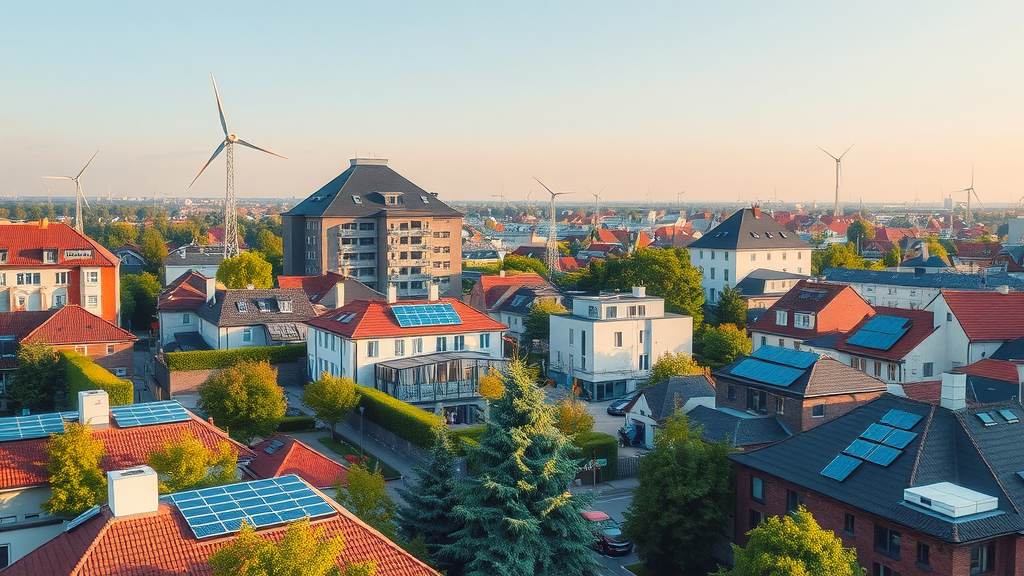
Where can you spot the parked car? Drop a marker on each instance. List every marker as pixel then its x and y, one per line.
pixel 610 541
pixel 618 408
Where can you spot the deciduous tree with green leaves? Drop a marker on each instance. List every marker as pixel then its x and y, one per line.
pixel 187 464
pixel 538 322
pixel 723 344
pixel 76 481
pixel 523 264
pixel 858 232
pixel 38 382
pixel 572 417
pixel 683 501
pixel 248 268
pixel 121 233
pixel 892 258
pixel 154 250
pixel 363 493
pixel 518 516
pixel 271 246
pixel 244 399
pixel 836 256
pixel 731 308
pixel 793 545
pixel 672 364
pixel 331 398
pixel 139 293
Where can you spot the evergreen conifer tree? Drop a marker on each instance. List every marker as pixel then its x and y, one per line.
pixel 518 515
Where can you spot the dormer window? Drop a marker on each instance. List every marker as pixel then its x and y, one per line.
pixel 391 198
pixel 425 200
pixel 263 306
pixel 50 256
pixel 3 256
pixel 242 307
pixel 803 320
pixel 781 317
pixel 284 305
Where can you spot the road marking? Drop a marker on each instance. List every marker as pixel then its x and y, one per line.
pixel 627 497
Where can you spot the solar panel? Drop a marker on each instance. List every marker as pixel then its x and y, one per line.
pixel 1010 417
pixel 767 373
pixel 860 449
pixel 410 315
pixel 794 358
pixel 34 426
pixel 901 419
pixel 69 416
pixel 82 518
pixel 899 439
pixel 986 419
pixel 149 413
pixel 883 455
pixel 876 432
pixel 221 510
pixel 880 332
pixel 840 467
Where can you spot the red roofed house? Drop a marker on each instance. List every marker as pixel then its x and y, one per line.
pixel 331 290
pixel 46 265
pixel 895 345
pixel 281 455
pixel 24 479
pixel 425 352
pixel 973 255
pixel 810 310
pixel 490 291
pixel 977 323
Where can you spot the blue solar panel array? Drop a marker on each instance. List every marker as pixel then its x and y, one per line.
pixel 883 455
pixel 794 358
pixel 876 432
pixel 765 372
pixel 35 426
pixel 149 413
pixel 880 444
pixel 900 419
pixel 840 467
pixel 221 510
pixel 411 315
pixel 881 332
pixel 899 439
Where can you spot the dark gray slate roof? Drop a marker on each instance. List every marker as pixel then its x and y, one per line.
pixel 825 377
pixel 369 181
pixel 186 342
pixel 719 426
pixel 1010 350
pixel 664 397
pixel 224 310
pixel 190 255
pixel 942 280
pixel 753 284
pixel 949 447
pixel 745 231
pixel 524 298
pixel 988 390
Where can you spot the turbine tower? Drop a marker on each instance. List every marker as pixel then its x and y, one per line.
pixel 230 211
pixel 49 199
pixel 597 207
pixel 79 195
pixel 839 161
pixel 970 191
pixel 552 245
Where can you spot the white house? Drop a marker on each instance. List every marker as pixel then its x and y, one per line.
pixel 655 403
pixel 976 324
pixel 915 290
pixel 202 259
pixel 609 342
pixel 425 352
pixel 746 241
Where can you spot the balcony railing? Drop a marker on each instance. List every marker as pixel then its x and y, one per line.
pixel 348 233
pixel 409 232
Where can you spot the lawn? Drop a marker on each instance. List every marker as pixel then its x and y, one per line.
pixel 343 448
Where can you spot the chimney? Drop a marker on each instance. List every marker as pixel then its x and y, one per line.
pixel 392 294
pixel 501 273
pixel 756 210
pixel 44 223
pixel 954 391
pixel 432 292
pixel 639 292
pixel 94 408
pixel 132 491
pixel 211 289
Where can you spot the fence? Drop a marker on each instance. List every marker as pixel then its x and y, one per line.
pixel 629 466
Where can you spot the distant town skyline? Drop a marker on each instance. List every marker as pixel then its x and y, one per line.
pixel 724 101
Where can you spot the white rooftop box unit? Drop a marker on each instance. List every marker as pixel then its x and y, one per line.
pixel 132 491
pixel 950 500
pixel 94 408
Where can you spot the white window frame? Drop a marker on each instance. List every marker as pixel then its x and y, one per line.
pixel 186 318
pixel 246 334
pixel 781 317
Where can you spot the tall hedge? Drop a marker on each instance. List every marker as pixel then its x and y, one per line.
pixel 218 359
pixel 600 445
pixel 84 374
pixel 405 420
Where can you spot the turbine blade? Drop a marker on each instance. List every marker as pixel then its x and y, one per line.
pixel 84 199
pixel 827 152
pixel 220 107
pixel 542 184
pixel 215 153
pixel 847 150
pixel 58 178
pixel 255 147
pixel 87 165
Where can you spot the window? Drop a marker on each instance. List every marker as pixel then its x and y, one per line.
pixel 5 555
pixel 110 349
pixel 927 369
pixel 186 318
pixel 892 372
pixel 485 341
pixel 799 255
pixel 334 342
pixel 372 349
pixel 247 335
pixel 367 225
pixel 8 519
pixel 764 340
pixel 357 199
pixel 62 278
pixel 701 254
pixel 793 501
pixel 803 320
pixel 571 337
pixel 441 344
pixel 780 405
pixel 92 301
pixel 645 362
pixel 755 518
pixel 922 553
pixel 712 272
pixel 711 293
pixel 757 489
pixel 726 256
pixel 121 372
pixel 417 345
pixel 757 401
pixel 732 393
pixel 3 256
pixel 725 274
pixel 617 339
pixel 850 525
pixel 641 310
pixel 712 254
pixel 49 256
pixel 91 277
pixel 611 312
pixel 284 305
pixel 888 542
pixel 753 257
pixel 82 350
pixel 242 306
pixel 782 342
pixel 559 357
pixel 983 559
pixel 594 312
pixel 641 336
pixel 818 411
pixel 399 347
pixel 459 343
pixel 949 316
pixel 59 299
pixel 781 317
pixel 881 570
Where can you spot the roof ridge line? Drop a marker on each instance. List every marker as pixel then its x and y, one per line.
pixel 87 553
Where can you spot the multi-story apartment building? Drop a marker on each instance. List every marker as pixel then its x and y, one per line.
pixel 46 265
pixel 372 224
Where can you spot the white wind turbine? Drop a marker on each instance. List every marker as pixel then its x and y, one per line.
pixel 597 207
pixel 552 245
pixel 230 211
pixel 79 195
pixel 839 162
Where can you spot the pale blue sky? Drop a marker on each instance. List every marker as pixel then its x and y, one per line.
pixel 721 99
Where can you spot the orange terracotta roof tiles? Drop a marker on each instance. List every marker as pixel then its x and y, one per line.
pixel 187 292
pixel 374 319
pixel 1002 370
pixel 72 324
pixel 25 242
pixel 495 286
pixel 294 457
pixel 987 315
pixel 836 308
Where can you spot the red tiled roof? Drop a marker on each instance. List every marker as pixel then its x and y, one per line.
pixel 603 247
pixel 930 391
pixel 920 328
pixel 495 286
pixel 987 315
pixel 187 292
pixel 21 324
pixel 162 543
pixel 568 264
pixel 25 242
pixel 296 458
pixel 316 287
pixel 72 324
pixel 607 236
pixel 1002 370
pixel 837 308
pixel 894 234
pixel 977 250
pixel 23 462
pixel 374 318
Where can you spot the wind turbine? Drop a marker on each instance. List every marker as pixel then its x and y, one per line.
pixel 970 191
pixel 79 195
pixel 230 212
pixel 49 201
pixel 597 207
pixel 839 161
pixel 552 245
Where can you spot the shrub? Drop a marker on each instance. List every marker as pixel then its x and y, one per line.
pixel 295 423
pixel 600 445
pixel 84 374
pixel 405 420
pixel 218 359
pixel 465 438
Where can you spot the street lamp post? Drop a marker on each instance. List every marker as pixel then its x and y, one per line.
pixel 361 409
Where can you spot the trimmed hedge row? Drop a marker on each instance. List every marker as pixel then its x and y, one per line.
pixel 463 438
pixel 217 359
pixel 84 374
pixel 295 423
pixel 600 445
pixel 405 420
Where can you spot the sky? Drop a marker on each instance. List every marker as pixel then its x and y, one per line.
pixel 723 101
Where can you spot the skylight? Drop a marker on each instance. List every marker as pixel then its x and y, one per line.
pixel 1010 417
pixel 242 306
pixel 986 419
pixel 425 200
pixel 755 234
pixel 357 199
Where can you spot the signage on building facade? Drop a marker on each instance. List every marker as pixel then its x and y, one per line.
pixel 77 254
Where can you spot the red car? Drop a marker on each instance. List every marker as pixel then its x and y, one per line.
pixel 609 535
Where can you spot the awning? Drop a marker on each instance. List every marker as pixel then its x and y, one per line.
pixel 403 363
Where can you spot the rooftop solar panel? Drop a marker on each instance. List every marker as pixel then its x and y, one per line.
pixel 901 419
pixel 883 455
pixel 1010 417
pixel 899 439
pixel 841 467
pixel 880 332
pixel 794 358
pixel 860 449
pixel 986 419
pixel 876 432
pixel 767 373
pixel 34 426
pixel 411 315
pixel 149 413
pixel 221 510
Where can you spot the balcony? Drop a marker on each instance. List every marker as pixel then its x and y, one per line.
pixel 357 248
pixel 348 233
pixel 409 232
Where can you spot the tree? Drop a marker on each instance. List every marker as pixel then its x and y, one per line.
pixel 724 343
pixel 364 494
pixel 731 308
pixel 429 501
pixel 492 385
pixel 796 546
pixel 38 381
pixel 524 264
pixel 303 551
pixel 139 293
pixel 518 516
pixel 572 418
pixel 121 233
pixel 892 258
pixel 672 364
pixel 188 464
pixel 683 500
pixel 836 256
pixel 244 399
pixel 538 323
pixel 76 481
pixel 154 250
pixel 271 247
pixel 858 232
pixel 331 398
pixel 248 268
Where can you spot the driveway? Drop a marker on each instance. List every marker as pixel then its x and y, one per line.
pixel 603 422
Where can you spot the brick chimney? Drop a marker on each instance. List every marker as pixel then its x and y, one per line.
pixel 756 210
